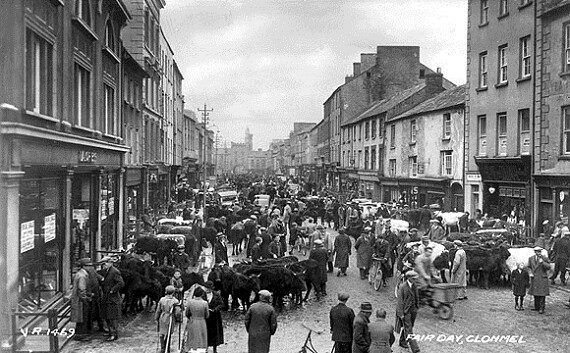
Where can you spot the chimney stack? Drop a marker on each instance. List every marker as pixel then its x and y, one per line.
pixel 434 81
pixel 356 69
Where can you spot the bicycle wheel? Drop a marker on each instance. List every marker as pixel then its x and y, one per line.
pixel 378 279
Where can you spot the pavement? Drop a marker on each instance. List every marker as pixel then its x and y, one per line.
pixel 486 322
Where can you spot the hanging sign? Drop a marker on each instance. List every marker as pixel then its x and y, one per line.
pixel 27 236
pixel 111 206
pixel 49 228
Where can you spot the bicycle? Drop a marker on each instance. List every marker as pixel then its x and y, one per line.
pixel 308 345
pixel 375 275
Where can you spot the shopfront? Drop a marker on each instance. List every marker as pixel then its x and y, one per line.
pixel 64 202
pixel 506 187
pixel 133 202
pixel 553 198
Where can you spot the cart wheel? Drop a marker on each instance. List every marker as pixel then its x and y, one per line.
pixel 445 312
pixel 378 279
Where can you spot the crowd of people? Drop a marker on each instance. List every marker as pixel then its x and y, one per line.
pixel 290 225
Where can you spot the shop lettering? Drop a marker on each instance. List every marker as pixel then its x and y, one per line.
pixel 39 331
pixel 87 157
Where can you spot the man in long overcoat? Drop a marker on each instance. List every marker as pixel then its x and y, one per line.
pixel 81 301
pixel 363 247
pixel 261 324
pixel 341 320
pixel 320 255
pixel 459 270
pixel 408 302
pixel 111 298
pixel 539 266
pixel 342 251
pixel 361 333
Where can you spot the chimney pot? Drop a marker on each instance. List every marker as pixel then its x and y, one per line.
pixel 439 70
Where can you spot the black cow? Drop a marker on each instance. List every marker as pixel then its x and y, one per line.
pixel 223 279
pixel 309 269
pixel 242 287
pixel 481 262
pixel 278 280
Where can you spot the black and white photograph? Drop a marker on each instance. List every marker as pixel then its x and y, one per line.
pixel 284 176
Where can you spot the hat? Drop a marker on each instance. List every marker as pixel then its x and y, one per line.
pixel 253 217
pixel 545 222
pixel 181 247
pixel 320 226
pixel 108 259
pixel 537 248
pixel 264 293
pixel 434 220
pixel 318 242
pixel 343 297
pixel 198 292
pixel 410 274
pixel 84 262
pixel 414 230
pixel 366 307
pixel 170 289
pixel 458 242
pixel 367 229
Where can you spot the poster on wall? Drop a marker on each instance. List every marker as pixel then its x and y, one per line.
pixel 27 236
pixel 49 228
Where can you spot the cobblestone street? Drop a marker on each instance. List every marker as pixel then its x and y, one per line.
pixel 485 313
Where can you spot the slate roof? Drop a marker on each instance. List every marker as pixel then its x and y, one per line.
pixel 386 104
pixel 446 99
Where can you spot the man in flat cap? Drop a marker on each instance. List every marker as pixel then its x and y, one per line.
pixel 408 302
pixel 261 324
pixel 459 270
pixel 320 255
pixel 111 299
pixel 361 333
pixel 81 301
pixel 539 266
pixel 341 320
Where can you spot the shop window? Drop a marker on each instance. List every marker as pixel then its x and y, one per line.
pixel 109 208
pixel 41 242
pixel 82 209
pixel 39 74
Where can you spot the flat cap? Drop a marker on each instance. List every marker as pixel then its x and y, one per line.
pixel 366 307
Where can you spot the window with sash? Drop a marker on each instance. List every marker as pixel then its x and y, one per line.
pixel 484 14
pixel 483 70
pixel 39 74
pixel 525 57
pixel 502 134
pixel 502 64
pixel 447 126
pixel 82 96
pixel 446 162
pixel 566 130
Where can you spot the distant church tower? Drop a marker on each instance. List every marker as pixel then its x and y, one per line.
pixel 248 139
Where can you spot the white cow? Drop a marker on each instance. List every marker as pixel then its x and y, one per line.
pixel 437 248
pixel 450 219
pixel 521 255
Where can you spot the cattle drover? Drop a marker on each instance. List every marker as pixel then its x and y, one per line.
pixel 261 324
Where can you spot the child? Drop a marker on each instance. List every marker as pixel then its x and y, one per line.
pixel 168 312
pixel 521 281
pixel 176 282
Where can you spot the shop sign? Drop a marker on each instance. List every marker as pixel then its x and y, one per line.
pixel 87 157
pixel 103 210
pixel 49 228
pixel 415 190
pixel 27 236
pixel 111 206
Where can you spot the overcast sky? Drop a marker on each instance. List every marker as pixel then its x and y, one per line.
pixel 265 64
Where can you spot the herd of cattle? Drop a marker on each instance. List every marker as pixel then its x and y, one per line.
pixel 489 260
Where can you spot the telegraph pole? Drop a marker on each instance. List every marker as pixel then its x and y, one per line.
pixel 205 114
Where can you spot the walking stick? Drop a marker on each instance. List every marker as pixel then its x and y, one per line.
pixel 169 333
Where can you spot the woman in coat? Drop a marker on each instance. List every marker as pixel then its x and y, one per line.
pixel 196 334
pixel 341 252
pixel 214 324
pixel 363 247
pixel 459 270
